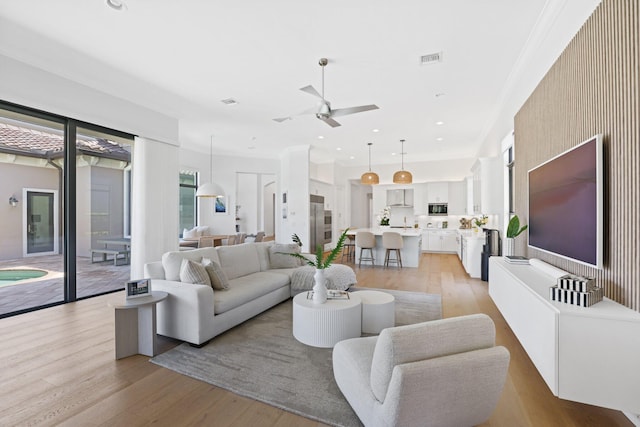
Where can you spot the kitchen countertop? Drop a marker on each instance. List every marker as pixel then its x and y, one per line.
pixel 405 232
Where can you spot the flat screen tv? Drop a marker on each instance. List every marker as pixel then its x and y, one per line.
pixel 565 204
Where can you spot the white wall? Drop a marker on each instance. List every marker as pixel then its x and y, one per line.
pixel 32 87
pixel 225 169
pixel 295 182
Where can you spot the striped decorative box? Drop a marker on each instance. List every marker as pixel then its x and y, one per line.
pixel 576 283
pixel 582 299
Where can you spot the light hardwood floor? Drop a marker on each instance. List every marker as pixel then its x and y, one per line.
pixel 57 368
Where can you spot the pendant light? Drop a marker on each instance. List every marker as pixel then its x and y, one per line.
pixel 210 189
pixel 402 176
pixel 370 178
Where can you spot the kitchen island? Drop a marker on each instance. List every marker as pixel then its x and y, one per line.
pixel 412 240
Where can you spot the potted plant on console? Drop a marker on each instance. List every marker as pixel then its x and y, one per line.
pixel 320 263
pixel 513 230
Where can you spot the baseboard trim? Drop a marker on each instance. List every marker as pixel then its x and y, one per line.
pixel 635 418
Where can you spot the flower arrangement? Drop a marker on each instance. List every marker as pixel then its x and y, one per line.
pixel 479 222
pixel 385 216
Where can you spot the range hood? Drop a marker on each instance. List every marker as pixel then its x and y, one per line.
pixel 400 197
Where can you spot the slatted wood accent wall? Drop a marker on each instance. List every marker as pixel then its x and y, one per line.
pixel 594 87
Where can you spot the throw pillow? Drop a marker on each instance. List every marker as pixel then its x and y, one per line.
pixel 193 272
pixel 278 257
pixel 190 234
pixel 219 280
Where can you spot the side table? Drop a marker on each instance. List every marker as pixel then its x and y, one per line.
pixel 135 324
pixel 378 311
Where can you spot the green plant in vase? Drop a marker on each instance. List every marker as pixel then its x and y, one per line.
pixel 320 263
pixel 513 230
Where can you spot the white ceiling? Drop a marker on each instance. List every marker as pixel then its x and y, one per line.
pixel 183 57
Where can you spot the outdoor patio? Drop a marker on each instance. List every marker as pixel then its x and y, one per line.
pixel 92 279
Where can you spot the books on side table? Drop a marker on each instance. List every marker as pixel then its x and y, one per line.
pixel 516 259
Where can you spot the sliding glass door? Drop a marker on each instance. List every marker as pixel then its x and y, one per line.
pixel 70 190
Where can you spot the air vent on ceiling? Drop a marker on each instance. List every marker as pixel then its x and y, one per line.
pixel 229 101
pixel 431 58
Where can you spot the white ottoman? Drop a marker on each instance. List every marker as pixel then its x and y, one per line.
pixel 378 311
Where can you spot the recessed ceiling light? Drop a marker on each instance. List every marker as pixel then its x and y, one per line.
pixel 352 157
pixel 376 130
pixel 229 101
pixel 116 4
pixel 440 123
pixel 338 149
pixel 439 138
pixel 320 137
pixel 393 154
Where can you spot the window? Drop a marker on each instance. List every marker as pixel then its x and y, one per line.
pixel 188 204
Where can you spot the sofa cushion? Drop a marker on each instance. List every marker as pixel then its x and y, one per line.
pixel 194 272
pixel 279 258
pixel 263 254
pixel 239 260
pixel 172 261
pixel 247 288
pixel 194 233
pixel 219 280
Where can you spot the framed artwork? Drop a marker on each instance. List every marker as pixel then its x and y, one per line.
pixel 138 288
pixel 221 205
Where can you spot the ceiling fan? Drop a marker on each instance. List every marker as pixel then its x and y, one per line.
pixel 323 110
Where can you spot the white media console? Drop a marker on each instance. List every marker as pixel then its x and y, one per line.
pixel 585 354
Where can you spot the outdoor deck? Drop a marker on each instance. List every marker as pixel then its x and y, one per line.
pixel 92 279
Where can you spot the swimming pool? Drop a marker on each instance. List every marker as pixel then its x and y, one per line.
pixel 8 277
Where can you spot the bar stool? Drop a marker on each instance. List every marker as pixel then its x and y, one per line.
pixel 349 249
pixel 366 240
pixel 392 241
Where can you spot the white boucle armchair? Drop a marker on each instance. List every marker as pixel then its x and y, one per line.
pixel 440 373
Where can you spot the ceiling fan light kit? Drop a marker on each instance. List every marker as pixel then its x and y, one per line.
pixel 210 189
pixel 323 111
pixel 402 176
pixel 369 178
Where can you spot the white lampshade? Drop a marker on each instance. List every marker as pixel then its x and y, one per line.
pixel 210 189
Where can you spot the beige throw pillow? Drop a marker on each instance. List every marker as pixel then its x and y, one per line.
pixel 219 280
pixel 193 272
pixel 278 257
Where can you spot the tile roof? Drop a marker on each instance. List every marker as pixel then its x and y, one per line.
pixel 37 143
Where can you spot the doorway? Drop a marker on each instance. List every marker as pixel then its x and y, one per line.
pixel 40 233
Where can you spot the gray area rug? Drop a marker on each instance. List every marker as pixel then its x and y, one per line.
pixel 261 359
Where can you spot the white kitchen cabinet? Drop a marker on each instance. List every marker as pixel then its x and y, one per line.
pixel 438 192
pixel 420 199
pixel 425 241
pixel 472 255
pixel 440 241
pixel 457 197
pixel 488 186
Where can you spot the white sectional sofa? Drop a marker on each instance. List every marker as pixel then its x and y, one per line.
pixel 259 277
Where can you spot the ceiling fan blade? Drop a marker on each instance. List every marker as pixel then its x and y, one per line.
pixel 311 91
pixel 351 110
pixel 282 119
pixel 331 122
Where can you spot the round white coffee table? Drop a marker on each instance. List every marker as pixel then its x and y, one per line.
pixel 324 325
pixel 378 311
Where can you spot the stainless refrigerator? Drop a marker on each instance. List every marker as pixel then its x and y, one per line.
pixel 316 223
